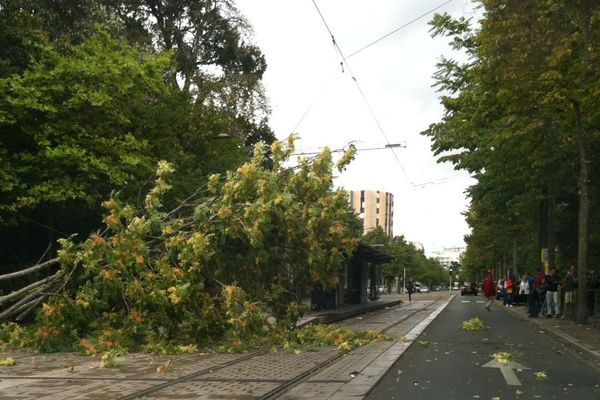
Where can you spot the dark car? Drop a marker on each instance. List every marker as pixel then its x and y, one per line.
pixel 468 288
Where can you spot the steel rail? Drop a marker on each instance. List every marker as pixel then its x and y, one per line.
pixel 287 385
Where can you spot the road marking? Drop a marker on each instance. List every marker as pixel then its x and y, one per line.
pixel 465 301
pixel 507 371
pixel 369 376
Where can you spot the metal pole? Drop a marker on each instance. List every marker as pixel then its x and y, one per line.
pixel 404 282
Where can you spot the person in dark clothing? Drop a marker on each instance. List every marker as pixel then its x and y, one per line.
pixel 532 297
pixel 410 288
pixel 317 302
pixel 593 284
pixel 489 291
pixel 569 284
pixel 552 301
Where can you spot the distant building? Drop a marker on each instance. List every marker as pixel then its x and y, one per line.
pixel 448 255
pixel 375 209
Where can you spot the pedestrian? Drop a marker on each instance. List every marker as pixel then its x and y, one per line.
pixel 540 288
pixel 410 288
pixel 569 284
pixel 510 286
pixel 317 302
pixel 593 284
pixel 489 291
pixel 524 289
pixel 532 297
pixel 552 301
pixel 502 287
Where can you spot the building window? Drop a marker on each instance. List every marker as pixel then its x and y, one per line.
pixel 362 201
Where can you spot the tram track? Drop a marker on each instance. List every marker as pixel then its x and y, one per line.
pixel 283 386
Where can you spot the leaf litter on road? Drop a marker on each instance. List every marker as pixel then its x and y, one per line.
pixel 474 324
pixel 503 357
pixel 541 375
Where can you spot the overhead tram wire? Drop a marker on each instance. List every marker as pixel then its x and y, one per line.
pixel 399 28
pixel 345 62
pixel 318 97
pixel 314 153
pixel 442 180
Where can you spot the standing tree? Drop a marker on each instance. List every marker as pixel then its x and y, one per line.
pixel 524 104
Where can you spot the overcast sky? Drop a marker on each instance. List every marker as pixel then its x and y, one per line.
pixel 391 101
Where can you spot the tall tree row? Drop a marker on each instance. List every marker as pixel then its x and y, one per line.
pixel 522 116
pixel 94 93
pixel 408 260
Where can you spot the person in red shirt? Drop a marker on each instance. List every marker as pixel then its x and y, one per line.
pixel 489 290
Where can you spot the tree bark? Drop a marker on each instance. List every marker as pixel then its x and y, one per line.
pixel 514 258
pixel 551 231
pixel 584 206
pixel 26 302
pixel 26 271
pixel 16 294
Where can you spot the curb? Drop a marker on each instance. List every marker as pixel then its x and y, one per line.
pixel 375 371
pixel 565 338
pixel 328 318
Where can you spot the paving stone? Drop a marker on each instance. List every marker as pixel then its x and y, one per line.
pixel 74 376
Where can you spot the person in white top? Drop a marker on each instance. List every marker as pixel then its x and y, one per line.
pixel 524 285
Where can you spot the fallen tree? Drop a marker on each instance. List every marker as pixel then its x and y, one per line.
pixel 215 268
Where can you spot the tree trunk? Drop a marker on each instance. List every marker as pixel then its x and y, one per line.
pixel 543 230
pixel 584 206
pixel 551 232
pixel 514 258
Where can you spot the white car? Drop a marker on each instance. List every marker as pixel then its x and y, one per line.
pixel 424 289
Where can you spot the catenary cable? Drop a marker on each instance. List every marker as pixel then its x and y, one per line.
pixel 364 97
pixel 399 28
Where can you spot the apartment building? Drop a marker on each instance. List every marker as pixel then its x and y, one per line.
pixel 449 255
pixel 375 209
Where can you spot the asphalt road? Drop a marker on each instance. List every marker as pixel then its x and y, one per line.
pixel 448 362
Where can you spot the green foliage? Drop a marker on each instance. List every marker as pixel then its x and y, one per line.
pixel 474 324
pixel 12 336
pixel 90 100
pixel 331 335
pixel 406 257
pixel 8 362
pixel 519 116
pixel 110 359
pixel 208 270
pixel 70 126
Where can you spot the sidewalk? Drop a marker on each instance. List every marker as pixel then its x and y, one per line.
pixel 584 339
pixel 212 375
pixel 350 310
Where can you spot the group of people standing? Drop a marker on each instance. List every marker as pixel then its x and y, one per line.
pixel 541 292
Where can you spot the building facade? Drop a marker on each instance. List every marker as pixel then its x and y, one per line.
pixel 449 255
pixel 375 209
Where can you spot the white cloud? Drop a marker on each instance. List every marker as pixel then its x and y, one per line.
pixel 305 76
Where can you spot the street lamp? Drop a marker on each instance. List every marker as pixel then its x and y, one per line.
pixel 221 136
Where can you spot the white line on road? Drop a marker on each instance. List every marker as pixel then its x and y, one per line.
pixel 507 370
pixel 510 377
pixel 370 375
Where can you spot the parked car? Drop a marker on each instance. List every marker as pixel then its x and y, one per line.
pixel 424 289
pixel 417 287
pixel 468 288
